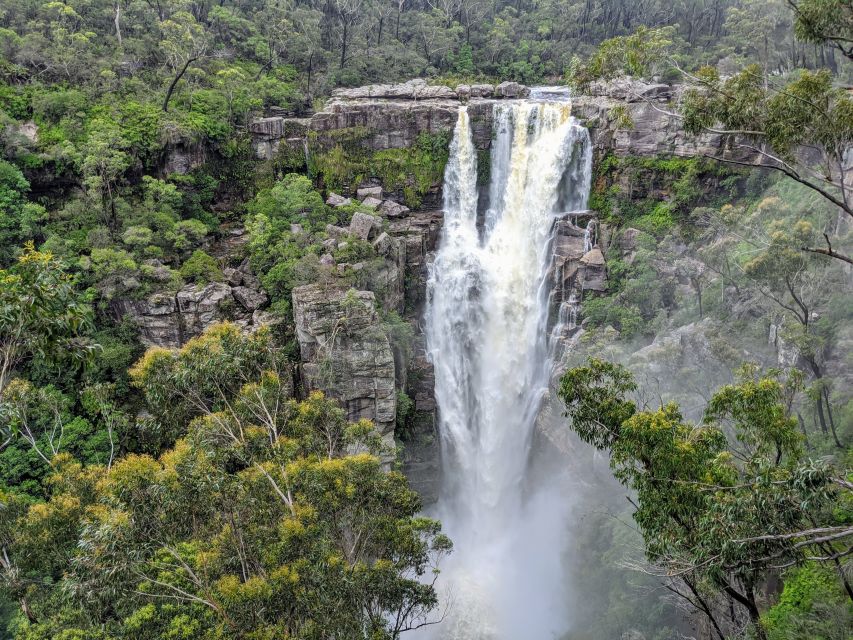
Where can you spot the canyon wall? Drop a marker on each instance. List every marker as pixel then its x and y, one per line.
pixel 386 146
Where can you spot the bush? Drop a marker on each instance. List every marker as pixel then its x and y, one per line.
pixel 201 268
pixel 812 607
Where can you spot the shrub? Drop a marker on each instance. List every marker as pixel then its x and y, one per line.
pixel 201 268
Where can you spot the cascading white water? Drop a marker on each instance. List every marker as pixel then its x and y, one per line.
pixel 486 329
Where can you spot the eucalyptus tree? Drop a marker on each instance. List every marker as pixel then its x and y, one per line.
pixel 721 504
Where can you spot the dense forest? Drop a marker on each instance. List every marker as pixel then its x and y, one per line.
pixel 201 490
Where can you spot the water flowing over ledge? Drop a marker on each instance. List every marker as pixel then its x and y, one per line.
pixel 486 328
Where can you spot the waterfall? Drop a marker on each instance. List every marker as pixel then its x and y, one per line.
pixel 486 328
pixel 589 236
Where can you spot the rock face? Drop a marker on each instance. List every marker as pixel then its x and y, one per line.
pixel 653 131
pixel 420 455
pixel 268 135
pixel 419 234
pixel 393 116
pixel 166 320
pixel 346 353
pixel 183 157
pixel 416 89
pixel 575 268
pixel 388 280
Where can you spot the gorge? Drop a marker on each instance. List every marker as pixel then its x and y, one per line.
pixel 441 320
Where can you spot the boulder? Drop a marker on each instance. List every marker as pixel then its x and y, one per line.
pixel 251 299
pixel 482 90
pixel 364 226
pixel 371 203
pixel 511 90
pixel 338 233
pixel 232 276
pixel 335 200
pixel 392 209
pixel 594 271
pixel 369 192
pixel 327 260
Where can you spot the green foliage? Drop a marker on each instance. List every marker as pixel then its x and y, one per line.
pixel 824 22
pixel 405 414
pixel 725 500
pixel 410 171
pixel 43 317
pixel 201 268
pixel 810 593
pixel 180 384
pixel 291 200
pixel 637 54
pixel 261 517
pixel 810 110
pixel 20 219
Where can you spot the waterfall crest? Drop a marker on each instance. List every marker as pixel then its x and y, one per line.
pixel 486 329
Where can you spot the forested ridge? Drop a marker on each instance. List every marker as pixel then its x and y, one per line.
pixel 200 489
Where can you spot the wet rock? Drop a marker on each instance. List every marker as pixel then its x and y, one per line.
pixel 594 271
pixel 419 234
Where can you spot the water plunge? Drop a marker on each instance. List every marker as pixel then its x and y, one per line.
pixel 487 335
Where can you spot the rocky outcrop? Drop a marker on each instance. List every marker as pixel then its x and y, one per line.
pixel 416 89
pixel 388 279
pixel 419 234
pixel 420 454
pixel 269 134
pixel 345 352
pixel 169 320
pixel 393 116
pixel 183 158
pixel 631 117
pixel 577 269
